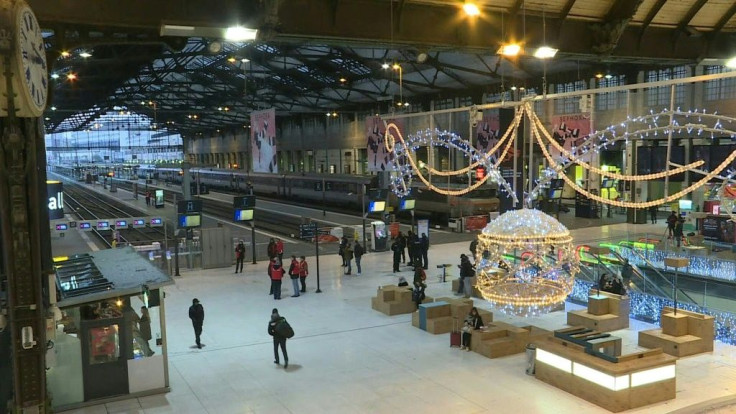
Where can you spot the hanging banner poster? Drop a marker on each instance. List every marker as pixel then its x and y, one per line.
pixel 263 140
pixel 378 158
pixel 719 228
pixel 487 132
pixel 570 131
pixel 423 227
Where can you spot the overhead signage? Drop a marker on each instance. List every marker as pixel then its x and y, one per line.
pixel 248 201
pixel 103 225
pixel 189 206
pixel 307 231
pixel 72 224
pixel 85 225
pixel 377 206
pixel 407 204
pixel 61 227
pixel 190 220
pixel 157 222
pixel 55 191
pixel 121 223
pixel 138 223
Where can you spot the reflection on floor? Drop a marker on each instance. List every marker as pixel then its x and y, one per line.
pixel 347 358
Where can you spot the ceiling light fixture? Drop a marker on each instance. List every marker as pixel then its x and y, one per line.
pixel 85 54
pixel 385 65
pixel 71 76
pixel 65 54
pixel 244 60
pixel 231 59
pixel 509 50
pixel 54 76
pixel 471 9
pixel 731 63
pixel 545 52
pixel 240 33
pixel 343 80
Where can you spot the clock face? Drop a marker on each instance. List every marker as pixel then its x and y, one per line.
pixel 32 60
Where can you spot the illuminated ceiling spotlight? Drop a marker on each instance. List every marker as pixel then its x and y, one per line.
pixel 244 60
pixel 71 76
pixel 343 80
pixel 509 49
pixel 54 76
pixel 471 9
pixel 395 66
pixel 385 65
pixel 406 104
pixel 65 54
pixel 240 34
pixel 545 52
pixel 85 54
pixel 231 59
pixel 731 63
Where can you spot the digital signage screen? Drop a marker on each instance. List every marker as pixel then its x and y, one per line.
pixel 61 227
pixel 139 223
pixel 121 223
pixel 103 225
pixel 157 222
pixel 85 225
pixel 243 215
pixel 377 206
pixel 190 220
pixel 407 204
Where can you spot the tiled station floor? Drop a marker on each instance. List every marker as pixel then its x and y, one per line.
pixel 347 358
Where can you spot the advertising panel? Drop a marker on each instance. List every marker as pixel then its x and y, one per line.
pixel 719 228
pixel 570 131
pixel 55 191
pixel 487 132
pixel 263 141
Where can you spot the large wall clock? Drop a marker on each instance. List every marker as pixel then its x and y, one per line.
pixel 28 61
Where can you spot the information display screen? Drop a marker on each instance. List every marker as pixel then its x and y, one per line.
pixel 139 223
pixel 407 204
pixel 159 198
pixel 243 215
pixel 121 223
pixel 685 205
pixel 61 227
pixel 377 206
pixel 85 225
pixel 103 225
pixel 190 220
pixel 157 222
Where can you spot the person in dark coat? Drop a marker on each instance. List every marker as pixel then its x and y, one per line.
pixel 424 248
pixel 671 221
pixel 653 213
pixel 196 314
pixel 419 285
pixel 473 248
pixel 239 256
pixel 397 254
pixel 358 253
pixel 677 232
pixel 410 247
pixel 278 340
pixel 402 245
pixel 472 322
pixel 466 271
pixel 271 249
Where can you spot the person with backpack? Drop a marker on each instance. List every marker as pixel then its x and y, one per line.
pixel 280 330
pixel 341 249
pixel 294 275
pixel 239 256
pixel 347 257
pixel 276 273
pixel 303 272
pixel 358 253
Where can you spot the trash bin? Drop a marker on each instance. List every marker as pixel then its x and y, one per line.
pixel 531 356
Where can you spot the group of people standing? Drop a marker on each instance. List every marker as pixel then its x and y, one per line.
pixel 417 248
pixel 674 227
pixel 298 271
pixel 348 252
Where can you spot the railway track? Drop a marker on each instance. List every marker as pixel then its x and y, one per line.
pixel 89 206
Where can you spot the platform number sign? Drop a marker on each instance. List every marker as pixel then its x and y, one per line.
pixel 307 231
pixel 190 213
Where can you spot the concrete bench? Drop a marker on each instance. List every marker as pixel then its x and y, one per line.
pixel 605 312
pixel 682 334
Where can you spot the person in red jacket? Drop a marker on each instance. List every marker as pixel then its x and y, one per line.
pixel 276 272
pixel 280 251
pixel 303 272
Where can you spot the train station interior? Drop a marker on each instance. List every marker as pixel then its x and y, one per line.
pixel 494 206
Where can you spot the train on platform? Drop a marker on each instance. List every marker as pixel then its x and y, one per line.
pixel 341 190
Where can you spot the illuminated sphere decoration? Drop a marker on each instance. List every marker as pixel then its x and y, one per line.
pixel 526 263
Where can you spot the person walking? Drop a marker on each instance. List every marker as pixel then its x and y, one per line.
pixel 466 272
pixel 280 251
pixel 347 257
pixel 397 255
pixel 148 198
pixel 303 272
pixel 144 326
pixel 276 272
pixel 294 275
pixel 239 256
pixel 402 245
pixel 358 253
pixel 424 248
pixel 473 248
pixel 196 314
pixel 278 340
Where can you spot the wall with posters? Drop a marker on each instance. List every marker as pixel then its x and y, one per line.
pixel 263 141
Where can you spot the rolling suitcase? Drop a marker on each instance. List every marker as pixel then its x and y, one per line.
pixel 455 335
